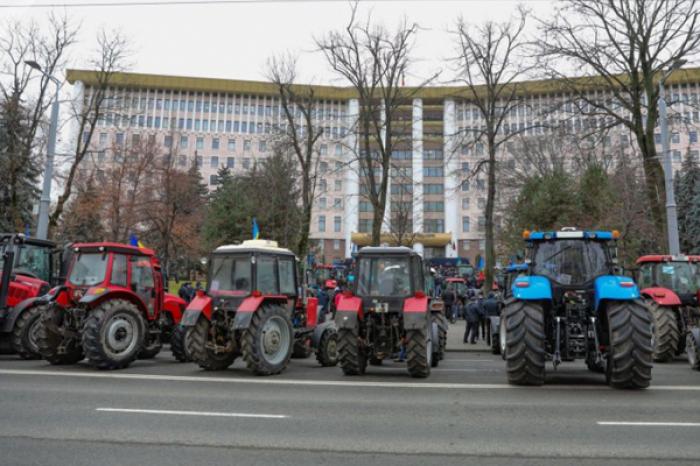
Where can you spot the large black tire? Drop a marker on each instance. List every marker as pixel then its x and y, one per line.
pixel 442 335
pixel 419 352
pixel 267 343
pixel 114 334
pixel 151 348
pixel 25 333
pixel 327 351
pixel 525 339
pixel 667 336
pixel 630 348
pixel 352 358
pixel 178 343
pixel 200 350
pixel 50 341
pixel 494 339
pixel 693 351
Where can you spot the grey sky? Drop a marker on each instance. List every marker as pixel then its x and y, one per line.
pixel 234 41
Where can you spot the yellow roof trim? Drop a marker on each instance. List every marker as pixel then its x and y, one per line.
pixel 426 239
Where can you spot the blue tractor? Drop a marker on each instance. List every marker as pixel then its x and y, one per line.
pixel 574 304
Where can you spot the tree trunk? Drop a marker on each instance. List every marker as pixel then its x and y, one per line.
pixel 490 202
pixel 654 180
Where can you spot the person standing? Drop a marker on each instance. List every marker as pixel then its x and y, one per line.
pixel 449 297
pixel 472 317
pixel 491 309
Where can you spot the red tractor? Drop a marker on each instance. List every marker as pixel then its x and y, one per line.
pixel 671 288
pixel 112 308
pixel 27 270
pixel 388 314
pixel 253 308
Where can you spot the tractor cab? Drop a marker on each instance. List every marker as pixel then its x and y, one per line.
pixel 663 274
pixel 26 265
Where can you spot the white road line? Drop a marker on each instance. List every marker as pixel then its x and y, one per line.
pixel 191 413
pixel 649 424
pixel 321 383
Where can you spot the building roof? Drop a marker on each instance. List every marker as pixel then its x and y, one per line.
pixel 237 86
pixel 253 246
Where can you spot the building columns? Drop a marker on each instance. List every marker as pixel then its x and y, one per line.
pixel 352 177
pixel 451 173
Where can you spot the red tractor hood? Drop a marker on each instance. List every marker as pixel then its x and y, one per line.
pixel 23 287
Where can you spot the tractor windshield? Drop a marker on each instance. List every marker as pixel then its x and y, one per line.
pixel 384 276
pixel 88 269
pixel 570 262
pixel 34 260
pixel 230 275
pixel 681 277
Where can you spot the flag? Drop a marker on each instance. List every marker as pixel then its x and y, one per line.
pixel 482 263
pixel 256 229
pixel 134 241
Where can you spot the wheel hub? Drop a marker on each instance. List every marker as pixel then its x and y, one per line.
pixel 120 334
pixel 275 340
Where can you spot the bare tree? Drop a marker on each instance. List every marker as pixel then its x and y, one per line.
pixel 25 95
pixel 375 62
pixel 110 58
pixel 491 68
pixel 300 133
pixel 626 45
pixel 401 224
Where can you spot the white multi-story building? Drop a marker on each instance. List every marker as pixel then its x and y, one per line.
pixel 215 122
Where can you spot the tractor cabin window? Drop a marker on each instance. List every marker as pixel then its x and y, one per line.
pixel 230 276
pixel 286 272
pixel 88 269
pixel 266 276
pixel 119 267
pixel 384 276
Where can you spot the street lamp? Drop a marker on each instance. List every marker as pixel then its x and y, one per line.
pixel 671 214
pixel 42 229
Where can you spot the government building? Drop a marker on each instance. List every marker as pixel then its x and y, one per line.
pixel 437 199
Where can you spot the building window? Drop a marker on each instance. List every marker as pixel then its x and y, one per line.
pixel 364 225
pixel 693 137
pixel 120 139
pixel 693 154
pixel 200 143
pixel 482 223
pixel 322 203
pixel 465 185
pixel 433 172
pixel 433 206
pixel 199 160
pixel 676 156
pixel 246 163
pixel 337 203
pixel 481 203
pixel 465 224
pixel 336 224
pixel 338 185
pixel 336 244
pixel 214 162
pixel 480 184
pixel 246 145
pixel 338 150
pixel 322 186
pixel 465 203
pixel 365 206
pixel 322 223
pixel 434 225
pixel 432 155
pixel 323 167
pixel 230 162
pixel 675 138
pixel 100 156
pixel 437 188
pixel 213 180
pixel 262 146
pixel 103 139
pixel 215 143
pixel 183 142
pixel 324 149
pixel 231 145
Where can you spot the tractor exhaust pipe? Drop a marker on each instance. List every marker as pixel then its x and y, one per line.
pixel 8 262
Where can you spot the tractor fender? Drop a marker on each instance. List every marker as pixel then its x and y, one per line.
pixel 14 312
pixel 614 288
pixel 97 295
pixel 532 288
pixel 415 312
pixel 199 306
pixel 348 312
pixel 320 330
pixel 245 311
pixel 175 306
pixel 661 296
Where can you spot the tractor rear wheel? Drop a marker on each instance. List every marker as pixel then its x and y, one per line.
pixel 495 338
pixel 419 352
pixel 178 343
pixel 53 347
pixel 327 352
pixel 151 347
pixel 667 337
pixel 267 343
pixel 693 351
pixel 352 358
pixel 524 339
pixel 200 347
pixel 25 333
pixel 114 334
pixel 630 349
pixel 442 335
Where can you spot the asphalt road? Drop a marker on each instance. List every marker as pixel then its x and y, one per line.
pixel 161 412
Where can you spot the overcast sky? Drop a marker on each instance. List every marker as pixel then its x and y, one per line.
pixel 234 40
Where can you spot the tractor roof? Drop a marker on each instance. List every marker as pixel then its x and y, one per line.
pixel 666 258
pixel 22 239
pixel 516 268
pixel 570 233
pixel 386 250
pixel 253 245
pixel 113 247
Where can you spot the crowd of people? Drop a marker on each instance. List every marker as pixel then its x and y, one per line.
pixel 471 305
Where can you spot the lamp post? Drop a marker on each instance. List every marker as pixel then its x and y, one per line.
pixel 42 229
pixel 671 213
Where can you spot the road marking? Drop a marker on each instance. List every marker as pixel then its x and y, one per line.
pixel 650 424
pixel 323 383
pixel 191 413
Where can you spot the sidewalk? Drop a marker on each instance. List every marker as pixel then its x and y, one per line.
pixel 455 334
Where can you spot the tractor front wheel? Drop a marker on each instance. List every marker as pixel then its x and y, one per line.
pixel 201 343
pixel 629 358
pixel 524 339
pixel 667 337
pixel 419 352
pixel 114 334
pixel 178 343
pixel 351 356
pixel 26 331
pixel 267 343
pixel 327 352
pixel 53 346
pixel 442 335
pixel 693 350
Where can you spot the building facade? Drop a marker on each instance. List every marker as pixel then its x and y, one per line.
pixel 437 200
